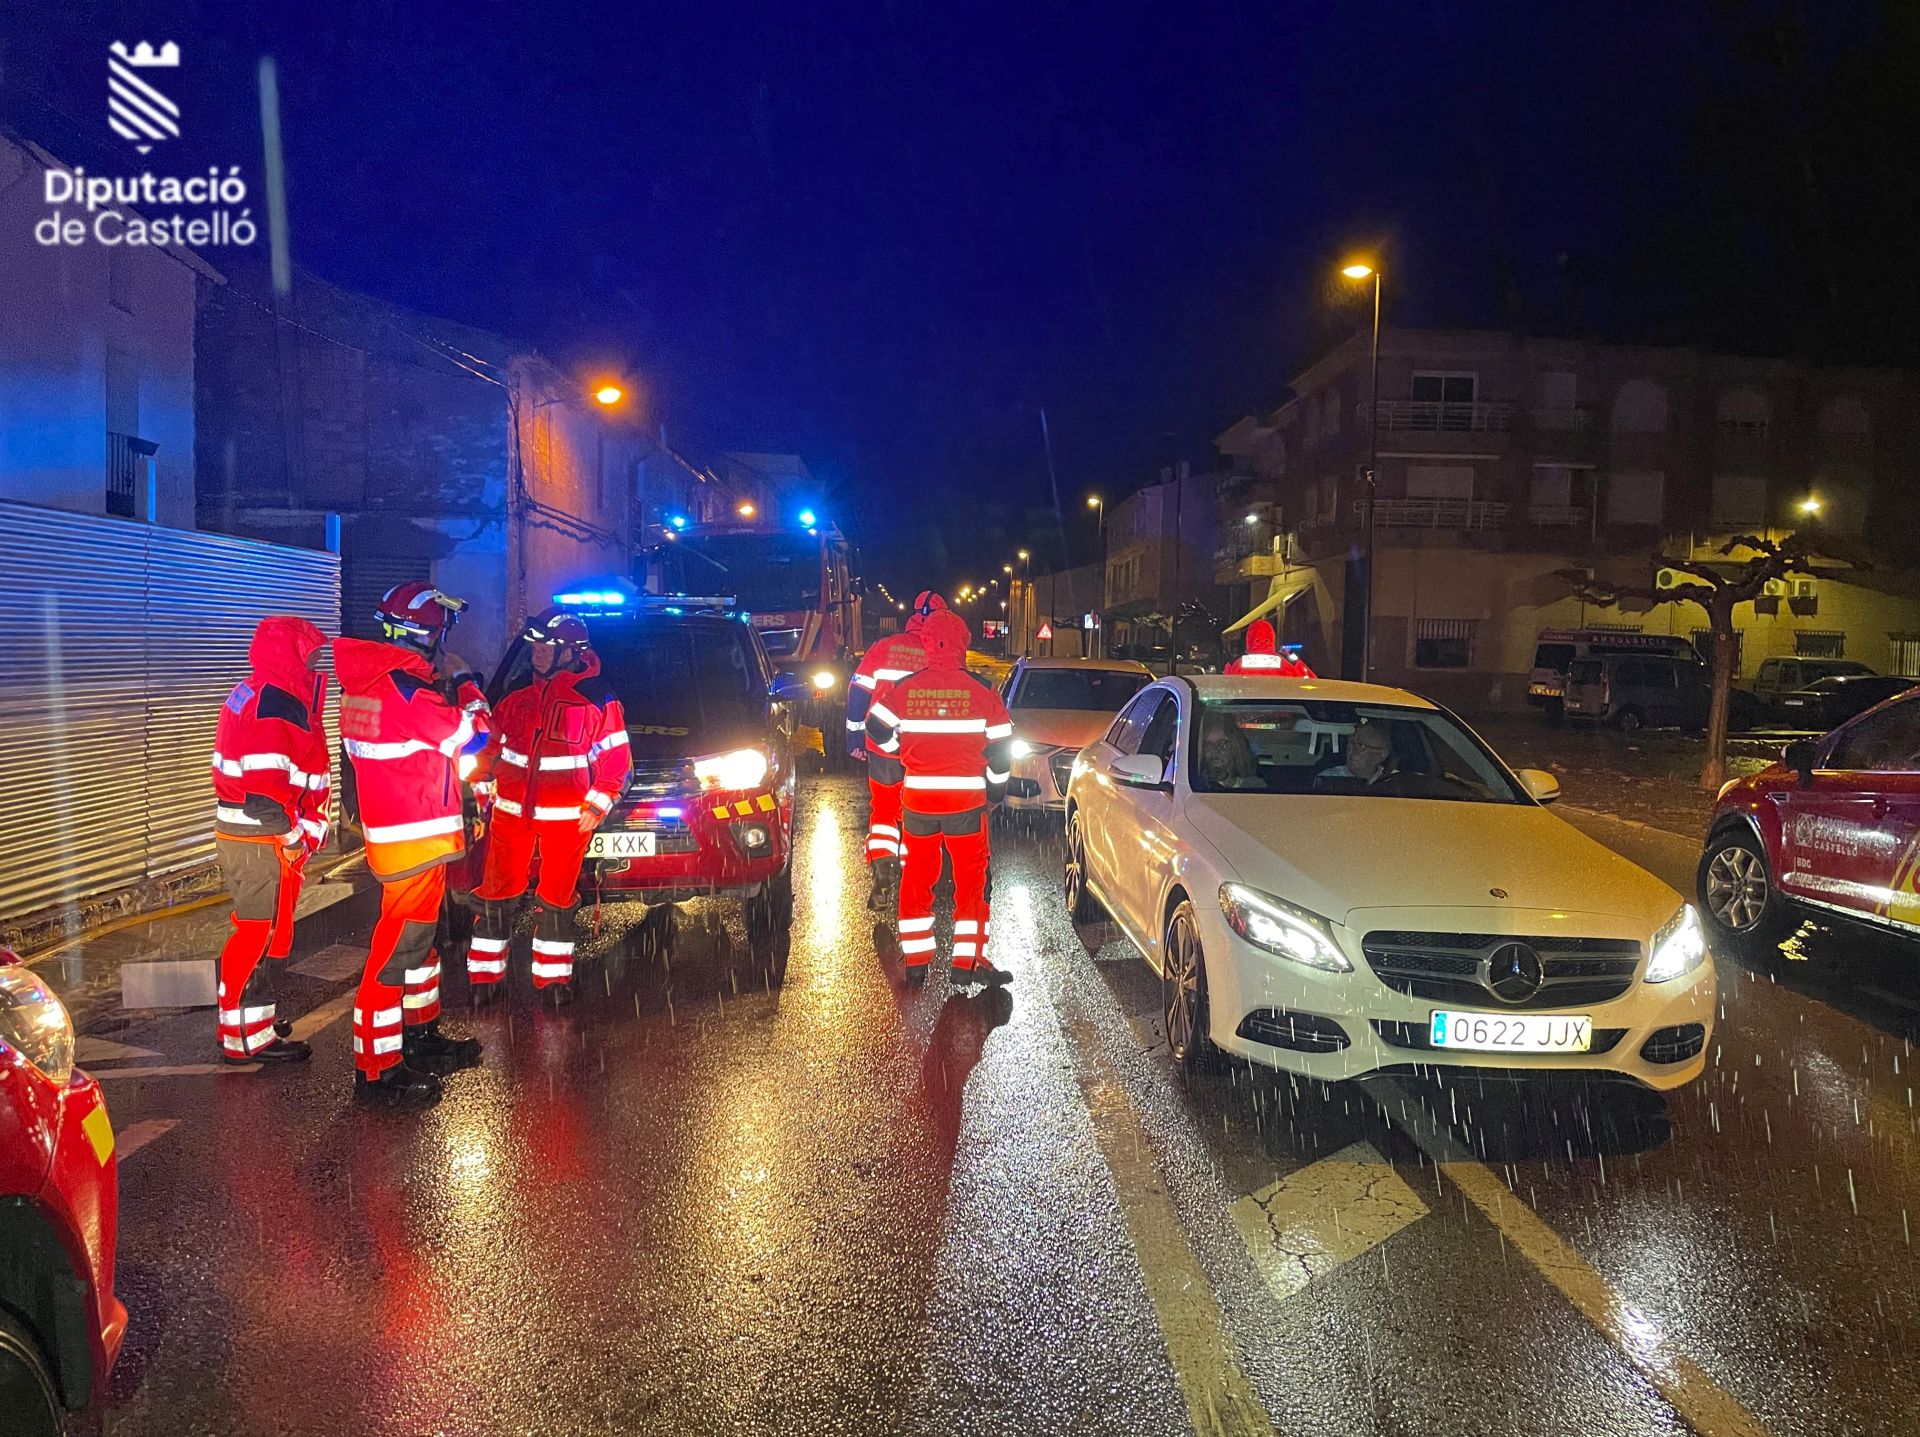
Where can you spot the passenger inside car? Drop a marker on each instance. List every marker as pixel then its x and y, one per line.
pixel 1370 756
pixel 1226 759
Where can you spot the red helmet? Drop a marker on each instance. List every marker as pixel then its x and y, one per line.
pixel 925 604
pixel 417 610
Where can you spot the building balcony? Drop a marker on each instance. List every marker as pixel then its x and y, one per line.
pixel 1461 514
pixel 1561 421
pixel 1556 516
pixel 1435 416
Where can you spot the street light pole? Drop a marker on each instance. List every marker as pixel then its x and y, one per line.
pixel 1360 269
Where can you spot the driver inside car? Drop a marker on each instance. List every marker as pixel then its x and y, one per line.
pixel 1369 754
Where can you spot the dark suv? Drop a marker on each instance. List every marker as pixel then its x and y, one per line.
pixel 708 812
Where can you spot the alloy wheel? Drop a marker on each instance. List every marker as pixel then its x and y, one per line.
pixel 1737 887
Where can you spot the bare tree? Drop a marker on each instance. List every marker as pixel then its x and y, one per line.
pixel 1719 586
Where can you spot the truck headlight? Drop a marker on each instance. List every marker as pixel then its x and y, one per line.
pixel 744 768
pixel 824 679
pixel 34 1022
pixel 1280 928
pixel 1022 749
pixel 1678 947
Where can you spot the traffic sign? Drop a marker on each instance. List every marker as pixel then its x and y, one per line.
pixel 1045 632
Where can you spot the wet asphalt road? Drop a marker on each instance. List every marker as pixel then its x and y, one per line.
pixel 698 1203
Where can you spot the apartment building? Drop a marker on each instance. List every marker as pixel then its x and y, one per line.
pixel 1501 459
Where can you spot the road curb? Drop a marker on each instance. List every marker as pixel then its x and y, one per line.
pixel 1629 822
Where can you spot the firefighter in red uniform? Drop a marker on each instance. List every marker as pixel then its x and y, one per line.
pixel 895 657
pixel 1263 656
pixel 950 740
pixel 270 789
pixel 408 741
pixel 557 762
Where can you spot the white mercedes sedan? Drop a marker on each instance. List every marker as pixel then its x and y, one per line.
pixel 1335 878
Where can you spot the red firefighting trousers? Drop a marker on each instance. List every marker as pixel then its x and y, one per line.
pixel 401 984
pixel 511 849
pixel 263 876
pixel 883 819
pixel 962 837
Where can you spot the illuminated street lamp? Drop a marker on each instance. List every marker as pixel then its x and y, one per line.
pixel 1251 519
pixel 609 394
pixel 1810 506
pixel 1360 271
pixel 746 509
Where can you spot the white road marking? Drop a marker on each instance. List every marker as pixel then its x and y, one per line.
pixel 141 1133
pixel 1708 1408
pixel 89 1051
pixel 177 1070
pixel 335 963
pixel 316 896
pixel 167 983
pixel 327 1012
pixel 1330 1212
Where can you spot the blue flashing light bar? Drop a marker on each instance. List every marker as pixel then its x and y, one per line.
pixel 808 519
pixel 591 598
pixel 679 521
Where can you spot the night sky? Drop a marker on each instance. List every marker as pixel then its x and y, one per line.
pixel 886 236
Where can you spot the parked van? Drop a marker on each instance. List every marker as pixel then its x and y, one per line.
pixel 1556 650
pixel 1781 676
pixel 1636 691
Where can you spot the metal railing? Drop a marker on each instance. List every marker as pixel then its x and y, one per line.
pixel 1554 516
pixel 1434 513
pixel 126 470
pixel 1564 421
pixel 1445 416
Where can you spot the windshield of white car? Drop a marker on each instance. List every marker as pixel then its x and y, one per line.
pixel 1367 750
pixel 1084 690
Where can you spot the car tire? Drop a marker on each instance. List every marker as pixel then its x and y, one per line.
pixel 27 1392
pixel 1082 907
pixel 769 919
pixel 1183 993
pixel 1736 891
pixel 1629 721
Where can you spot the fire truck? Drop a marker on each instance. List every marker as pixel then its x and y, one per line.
pixel 794 577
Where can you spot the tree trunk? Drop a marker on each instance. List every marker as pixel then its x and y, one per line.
pixel 1720 621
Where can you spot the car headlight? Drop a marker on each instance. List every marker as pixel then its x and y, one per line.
pixel 1280 928
pixel 731 772
pixel 825 679
pixel 1023 749
pixel 34 1023
pixel 1678 947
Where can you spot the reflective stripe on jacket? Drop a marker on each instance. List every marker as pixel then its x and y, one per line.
pixel 270 751
pixel 404 739
pixel 558 743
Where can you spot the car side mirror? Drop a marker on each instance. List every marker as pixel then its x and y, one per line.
pixel 1800 756
pixel 788 688
pixel 1541 786
pixel 1141 770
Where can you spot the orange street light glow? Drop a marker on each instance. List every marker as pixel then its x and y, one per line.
pixel 746 511
pixel 1357 270
pixel 609 394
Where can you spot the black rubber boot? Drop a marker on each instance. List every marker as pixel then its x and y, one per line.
pixel 558 995
pixel 428 1048
pixel 983 972
pixel 284 1050
pixel 400 1088
pixel 883 891
pixel 914 974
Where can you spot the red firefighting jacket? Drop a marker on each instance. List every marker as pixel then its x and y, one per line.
pixel 895 657
pixel 558 742
pixel 1263 657
pixel 270 750
pixel 404 739
pixel 947 732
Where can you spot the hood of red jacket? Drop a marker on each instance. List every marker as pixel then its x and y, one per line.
pixel 362 663
pixel 1260 638
pixel 282 654
pixel 926 599
pixel 946 637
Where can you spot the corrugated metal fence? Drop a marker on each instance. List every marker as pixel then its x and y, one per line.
pixel 118 643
